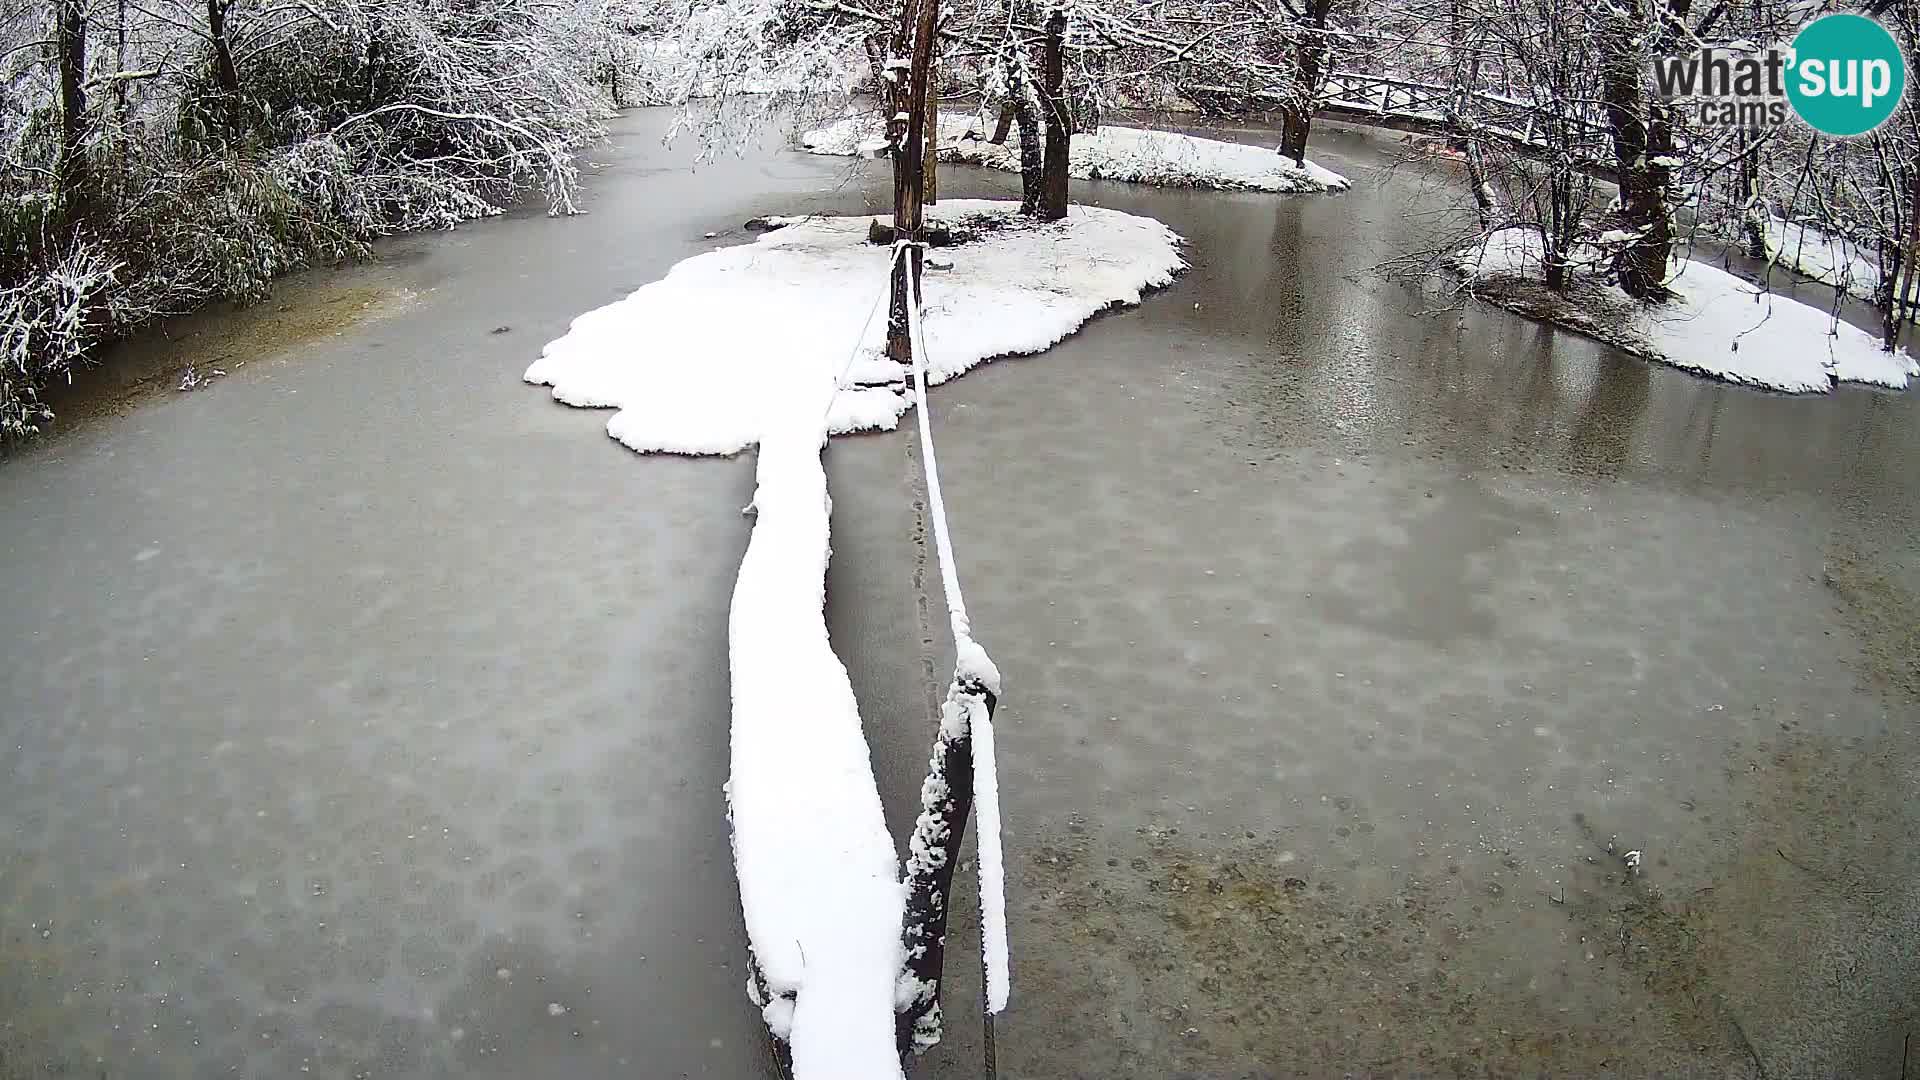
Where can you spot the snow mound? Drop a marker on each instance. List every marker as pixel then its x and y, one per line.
pixel 1135 155
pixel 705 359
pixel 1717 324
pixel 819 885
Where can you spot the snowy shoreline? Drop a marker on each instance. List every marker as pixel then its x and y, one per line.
pixel 1718 324
pixel 1819 256
pixel 1133 155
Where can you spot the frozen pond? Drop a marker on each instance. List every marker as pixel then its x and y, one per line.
pixel 366 713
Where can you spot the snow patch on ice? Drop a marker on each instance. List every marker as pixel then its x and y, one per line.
pixel 1717 324
pixel 1135 155
pixel 819 884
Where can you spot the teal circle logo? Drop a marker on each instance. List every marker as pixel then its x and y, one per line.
pixel 1847 75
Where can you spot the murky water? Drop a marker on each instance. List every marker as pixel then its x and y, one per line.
pixel 366 712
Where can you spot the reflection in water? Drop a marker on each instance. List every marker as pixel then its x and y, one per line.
pixel 1609 421
pixel 1333 345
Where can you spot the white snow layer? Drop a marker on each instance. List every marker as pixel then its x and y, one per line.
pixel 992 863
pixel 703 360
pixel 973 673
pixel 1136 155
pixel 748 345
pixel 1719 324
pixel 819 884
pixel 1829 259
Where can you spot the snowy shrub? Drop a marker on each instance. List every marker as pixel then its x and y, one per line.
pixel 44 330
pixel 217 146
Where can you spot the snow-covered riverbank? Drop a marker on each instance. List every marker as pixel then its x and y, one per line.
pixel 1717 324
pixel 1135 155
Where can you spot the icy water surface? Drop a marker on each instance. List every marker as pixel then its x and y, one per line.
pixel 365 713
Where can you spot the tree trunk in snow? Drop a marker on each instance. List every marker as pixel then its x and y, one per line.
pixel 120 64
pixel 1624 100
pixel 72 43
pixel 929 160
pixel 1483 202
pixel 1053 204
pixel 1005 123
pixel 1622 95
pixel 1026 114
pixel 1753 208
pixel 1555 265
pixel 1297 124
pixel 1904 273
pixel 226 76
pixel 909 176
pixel 941 825
pixel 1643 148
pixel 1643 263
pixel 370 92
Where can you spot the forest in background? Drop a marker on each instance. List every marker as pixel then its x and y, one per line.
pixel 162 154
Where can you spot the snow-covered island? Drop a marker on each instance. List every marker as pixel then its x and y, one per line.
pixel 794 321
pixel 1135 155
pixel 1716 324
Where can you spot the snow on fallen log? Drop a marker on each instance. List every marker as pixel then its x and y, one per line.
pixel 1717 324
pixel 1135 155
pixel 819 885
pixel 747 345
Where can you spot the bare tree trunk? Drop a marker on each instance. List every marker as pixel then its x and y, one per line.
pixel 120 63
pixel 1486 207
pixel 929 162
pixel 1644 151
pixel 376 54
pixel 1053 205
pixel 1753 209
pixel 1904 272
pixel 942 822
pixel 226 75
pixel 1624 98
pixel 1026 113
pixel 72 41
pixel 1297 123
pixel 909 174
pixel 1643 263
pixel 1483 203
pixel 1006 122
